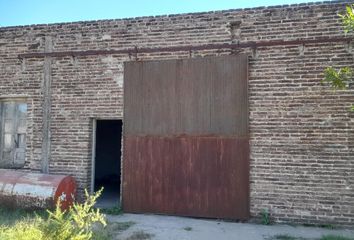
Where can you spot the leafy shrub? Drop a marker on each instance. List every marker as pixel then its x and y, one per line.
pixel 348 19
pixel 75 224
pixel 341 79
pixel 338 79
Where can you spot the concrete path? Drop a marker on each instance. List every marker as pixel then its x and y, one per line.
pixel 180 228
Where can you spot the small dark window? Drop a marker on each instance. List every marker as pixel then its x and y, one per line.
pixel 12 133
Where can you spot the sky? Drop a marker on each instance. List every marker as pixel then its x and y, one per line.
pixel 25 12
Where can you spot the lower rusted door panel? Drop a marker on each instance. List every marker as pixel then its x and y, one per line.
pixel 187 176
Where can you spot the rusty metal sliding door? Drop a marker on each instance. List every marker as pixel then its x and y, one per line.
pixel 186 141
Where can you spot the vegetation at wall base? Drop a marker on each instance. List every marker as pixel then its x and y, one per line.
pixel 75 224
pixel 112 211
pixel 335 237
pixel 325 237
pixel 265 217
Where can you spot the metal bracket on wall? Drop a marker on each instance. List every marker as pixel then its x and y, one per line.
pixel 349 47
pixel 136 53
pixel 301 50
pixel 254 53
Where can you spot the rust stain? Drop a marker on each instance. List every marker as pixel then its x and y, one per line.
pixel 186 149
pixel 187 176
pixel 34 190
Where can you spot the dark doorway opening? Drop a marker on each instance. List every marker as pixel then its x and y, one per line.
pixel 108 161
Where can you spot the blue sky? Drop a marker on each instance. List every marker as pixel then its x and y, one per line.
pixel 24 12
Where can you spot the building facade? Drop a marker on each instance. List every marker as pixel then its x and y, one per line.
pixel 301 133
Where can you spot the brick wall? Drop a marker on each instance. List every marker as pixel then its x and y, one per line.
pixel 302 134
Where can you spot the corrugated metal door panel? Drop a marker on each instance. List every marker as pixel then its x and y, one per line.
pixel 2 124
pixel 186 149
pixel 212 92
pixel 187 176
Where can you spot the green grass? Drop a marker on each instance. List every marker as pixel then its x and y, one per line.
pixel 326 237
pixel 120 226
pixel 9 217
pixel 335 237
pixel 326 226
pixel 112 211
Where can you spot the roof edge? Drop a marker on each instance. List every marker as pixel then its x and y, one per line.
pixel 43 25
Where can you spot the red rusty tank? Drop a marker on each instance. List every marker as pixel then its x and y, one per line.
pixel 35 190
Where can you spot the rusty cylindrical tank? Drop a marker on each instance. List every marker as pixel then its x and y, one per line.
pixel 35 190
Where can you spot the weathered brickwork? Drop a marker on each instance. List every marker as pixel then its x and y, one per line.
pixel 302 134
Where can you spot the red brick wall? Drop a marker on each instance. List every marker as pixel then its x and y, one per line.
pixel 302 134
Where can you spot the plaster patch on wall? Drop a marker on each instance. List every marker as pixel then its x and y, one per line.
pixel 106 37
pixel 119 80
pixel 108 59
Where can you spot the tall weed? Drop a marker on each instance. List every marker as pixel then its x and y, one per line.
pixel 75 224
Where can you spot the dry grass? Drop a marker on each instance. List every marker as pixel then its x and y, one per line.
pixel 9 217
pixel 140 235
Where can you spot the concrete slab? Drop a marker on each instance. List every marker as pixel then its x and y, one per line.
pixel 180 228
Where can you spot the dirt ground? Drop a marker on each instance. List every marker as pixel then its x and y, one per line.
pixel 140 227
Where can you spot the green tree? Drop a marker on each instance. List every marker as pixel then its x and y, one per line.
pixel 348 19
pixel 340 79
